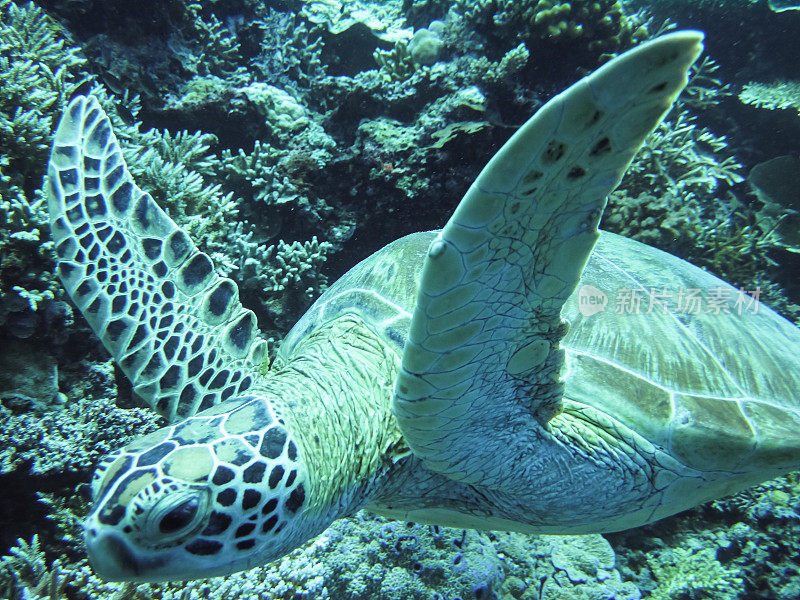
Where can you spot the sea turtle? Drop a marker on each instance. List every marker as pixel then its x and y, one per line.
pixel 437 381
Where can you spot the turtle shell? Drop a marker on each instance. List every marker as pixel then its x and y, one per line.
pixel 718 389
pixel 381 289
pixel 716 382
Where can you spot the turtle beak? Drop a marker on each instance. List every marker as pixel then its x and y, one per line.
pixel 113 558
pixel 110 556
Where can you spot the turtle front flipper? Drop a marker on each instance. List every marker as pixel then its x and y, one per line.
pixel 172 324
pixel 481 370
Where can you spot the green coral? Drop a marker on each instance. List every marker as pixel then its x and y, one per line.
pixel 284 115
pixel 396 64
pixel 692 573
pixel 257 169
pixel 156 56
pixel 298 64
pixel 668 195
pixel 388 135
pixel 292 281
pixel 705 89
pixel 218 49
pixel 274 178
pixel 454 129
pixel 512 62
pixel 683 159
pixel 24 574
pixel 603 27
pixel 173 168
pixel 669 198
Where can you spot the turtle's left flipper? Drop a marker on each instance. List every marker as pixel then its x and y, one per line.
pixel 172 324
pixel 482 362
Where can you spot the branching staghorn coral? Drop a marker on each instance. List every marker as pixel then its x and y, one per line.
pixel 37 70
pixel 396 64
pixel 24 232
pixel 199 207
pixel 704 89
pixel 177 169
pixel 284 277
pixel 681 158
pixel 772 96
pixel 732 247
pixel 257 169
pixel 670 198
pixel 271 178
pixel 291 51
pixel 218 49
pixel 25 575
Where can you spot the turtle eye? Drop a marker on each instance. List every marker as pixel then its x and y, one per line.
pixel 172 517
pixel 179 517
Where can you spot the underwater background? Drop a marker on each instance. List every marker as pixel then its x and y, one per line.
pixel 292 139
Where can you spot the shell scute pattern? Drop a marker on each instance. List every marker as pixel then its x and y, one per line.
pixel 694 384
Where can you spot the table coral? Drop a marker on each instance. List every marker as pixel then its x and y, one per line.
pixel 384 19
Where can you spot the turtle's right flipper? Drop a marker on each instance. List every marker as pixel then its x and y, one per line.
pixel 172 324
pixel 480 375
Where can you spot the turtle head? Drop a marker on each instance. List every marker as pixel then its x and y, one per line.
pixel 220 492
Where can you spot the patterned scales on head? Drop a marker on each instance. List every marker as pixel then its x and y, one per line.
pixel 453 377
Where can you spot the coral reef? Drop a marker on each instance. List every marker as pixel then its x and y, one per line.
pixel 397 64
pixel 368 557
pixel 291 285
pixel 290 140
pixel 775 183
pixel 739 547
pixel 426 43
pixel 680 195
pixel 68 440
pixel 682 159
pixel 28 378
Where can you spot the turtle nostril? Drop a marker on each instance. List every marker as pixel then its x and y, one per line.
pixel 88 531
